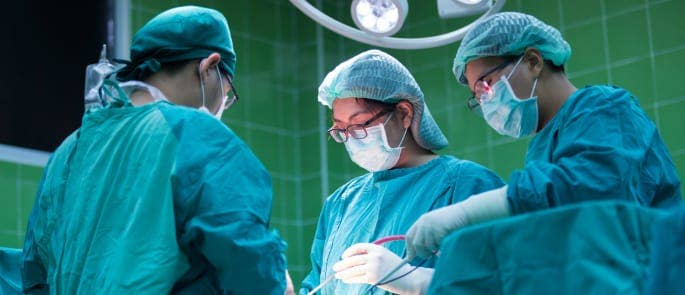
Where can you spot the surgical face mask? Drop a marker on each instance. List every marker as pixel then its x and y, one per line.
pixel 508 114
pixel 204 108
pixel 373 152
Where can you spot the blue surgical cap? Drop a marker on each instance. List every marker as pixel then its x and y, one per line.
pixel 374 74
pixel 177 34
pixel 509 33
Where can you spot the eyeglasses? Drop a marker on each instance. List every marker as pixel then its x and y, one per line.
pixel 473 102
pixel 357 131
pixel 232 95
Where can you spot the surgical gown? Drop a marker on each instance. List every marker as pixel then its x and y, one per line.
pixel 154 199
pixel 600 247
pixel 10 271
pixel 599 146
pixel 667 262
pixel 385 203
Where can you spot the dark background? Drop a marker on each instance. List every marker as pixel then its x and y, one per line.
pixel 46 47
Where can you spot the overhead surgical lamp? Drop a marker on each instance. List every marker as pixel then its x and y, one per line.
pixel 379 19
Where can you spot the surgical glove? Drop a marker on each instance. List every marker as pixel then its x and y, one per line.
pixel 367 263
pixel 424 237
pixel 289 287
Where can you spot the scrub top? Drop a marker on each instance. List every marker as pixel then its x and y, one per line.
pixel 380 204
pixel 599 146
pixel 154 199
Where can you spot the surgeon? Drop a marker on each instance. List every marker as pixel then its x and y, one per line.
pixel 380 115
pixel 593 143
pixel 154 194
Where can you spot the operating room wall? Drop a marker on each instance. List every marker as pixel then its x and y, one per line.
pixel 282 55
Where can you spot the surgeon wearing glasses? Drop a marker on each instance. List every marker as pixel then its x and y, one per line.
pixel 154 194
pixel 380 116
pixel 592 143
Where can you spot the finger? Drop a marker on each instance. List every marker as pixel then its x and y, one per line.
pixel 350 262
pixel 410 242
pixel 352 275
pixel 356 249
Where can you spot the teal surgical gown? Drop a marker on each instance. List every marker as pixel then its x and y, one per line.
pixel 667 261
pixel 600 247
pixel 10 271
pixel 385 203
pixel 154 199
pixel 600 145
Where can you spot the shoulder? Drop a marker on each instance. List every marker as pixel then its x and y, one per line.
pixel 351 186
pixel 599 97
pixel 460 167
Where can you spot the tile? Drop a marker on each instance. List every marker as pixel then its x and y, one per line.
pixel 591 78
pixel 312 198
pixel 636 77
pixel 9 200
pixel 580 11
pixel 671 124
pixel 27 197
pixel 508 157
pixel 618 6
pixel 310 153
pixel 11 240
pixel 28 172
pixel 667 24
pixel 667 68
pixel 546 11
pixel 8 170
pixel 465 129
pixel 628 37
pixel 587 46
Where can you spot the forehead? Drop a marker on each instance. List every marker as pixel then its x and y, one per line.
pixel 475 68
pixel 343 107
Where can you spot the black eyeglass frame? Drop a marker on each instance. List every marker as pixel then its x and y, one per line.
pixel 472 102
pixel 344 134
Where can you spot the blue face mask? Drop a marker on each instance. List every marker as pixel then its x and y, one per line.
pixel 508 114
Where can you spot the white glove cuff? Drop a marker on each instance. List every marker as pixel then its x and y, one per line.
pixel 486 206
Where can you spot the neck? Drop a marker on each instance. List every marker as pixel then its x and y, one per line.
pixel 413 155
pixel 553 93
pixel 141 97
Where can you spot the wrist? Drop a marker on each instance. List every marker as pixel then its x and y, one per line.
pixel 486 206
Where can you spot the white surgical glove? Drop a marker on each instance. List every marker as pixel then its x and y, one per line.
pixel 366 263
pixel 289 287
pixel 423 238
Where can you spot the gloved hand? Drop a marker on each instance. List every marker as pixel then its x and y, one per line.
pixel 366 263
pixel 289 287
pixel 424 237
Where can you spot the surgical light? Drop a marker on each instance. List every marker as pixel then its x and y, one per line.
pixel 384 40
pixel 379 17
pixel 461 8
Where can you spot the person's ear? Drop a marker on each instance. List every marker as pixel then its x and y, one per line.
pixel 208 63
pixel 406 112
pixel 533 59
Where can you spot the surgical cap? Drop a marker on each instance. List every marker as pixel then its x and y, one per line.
pixel 509 33
pixel 376 75
pixel 181 33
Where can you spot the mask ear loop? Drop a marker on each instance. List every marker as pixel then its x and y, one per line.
pixel 202 84
pixel 221 87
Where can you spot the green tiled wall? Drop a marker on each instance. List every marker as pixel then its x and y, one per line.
pixel 18 184
pixel 637 44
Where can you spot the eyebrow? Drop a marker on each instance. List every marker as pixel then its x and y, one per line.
pixel 350 117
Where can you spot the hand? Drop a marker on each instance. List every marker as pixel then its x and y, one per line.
pixel 367 263
pixel 289 288
pixel 424 237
